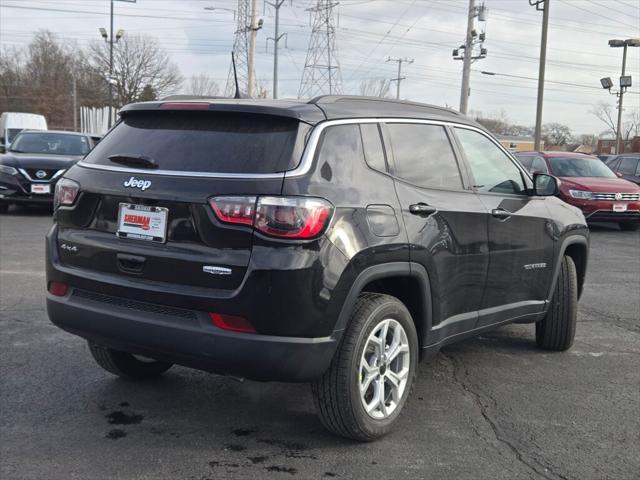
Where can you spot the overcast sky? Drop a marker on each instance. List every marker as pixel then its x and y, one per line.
pixel 371 30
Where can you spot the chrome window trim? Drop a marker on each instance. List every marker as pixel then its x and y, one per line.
pixel 26 175
pixel 308 155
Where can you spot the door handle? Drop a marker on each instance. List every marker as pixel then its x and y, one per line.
pixel 422 209
pixel 500 213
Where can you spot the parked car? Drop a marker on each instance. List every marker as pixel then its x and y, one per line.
pixel 336 242
pixel 34 163
pixel 604 158
pixel 587 183
pixel 626 166
pixel 12 123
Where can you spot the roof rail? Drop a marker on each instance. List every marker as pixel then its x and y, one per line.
pixel 325 99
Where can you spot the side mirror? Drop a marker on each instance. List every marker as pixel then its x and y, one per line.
pixel 545 185
pixel 619 175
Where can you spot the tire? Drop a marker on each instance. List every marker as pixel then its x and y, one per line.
pixel 126 365
pixel 557 330
pixel 4 208
pixel 629 226
pixel 336 395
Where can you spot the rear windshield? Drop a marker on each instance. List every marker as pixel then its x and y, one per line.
pixel 50 143
pixel 204 142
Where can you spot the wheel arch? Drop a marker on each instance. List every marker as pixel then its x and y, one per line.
pixel 407 281
pixel 576 247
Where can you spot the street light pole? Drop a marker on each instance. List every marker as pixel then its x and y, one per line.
pixel 619 148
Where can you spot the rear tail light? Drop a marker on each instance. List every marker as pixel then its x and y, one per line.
pixel 231 323
pixel 239 210
pixel 58 289
pixel 299 218
pixel 66 192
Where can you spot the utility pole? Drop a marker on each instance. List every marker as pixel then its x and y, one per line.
pixel 466 62
pixel 468 55
pixel 111 69
pixel 544 6
pixel 252 50
pixel 74 93
pixel 276 38
pixel 400 77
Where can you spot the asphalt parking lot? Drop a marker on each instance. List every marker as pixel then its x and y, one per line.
pixel 493 407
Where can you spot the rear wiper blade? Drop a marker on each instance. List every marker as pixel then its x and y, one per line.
pixel 132 160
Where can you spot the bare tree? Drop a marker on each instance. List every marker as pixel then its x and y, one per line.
pixel 139 61
pixel 605 112
pixel 556 134
pixel 13 91
pixel 375 87
pixel 204 86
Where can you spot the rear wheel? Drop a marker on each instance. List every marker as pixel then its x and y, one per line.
pixel 369 380
pixel 629 226
pixel 127 365
pixel 557 330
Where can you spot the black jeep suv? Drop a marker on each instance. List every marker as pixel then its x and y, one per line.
pixel 335 242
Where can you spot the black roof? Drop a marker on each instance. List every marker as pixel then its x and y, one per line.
pixel 327 107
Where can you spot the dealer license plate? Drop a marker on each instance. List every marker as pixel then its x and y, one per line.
pixel 619 207
pixel 40 188
pixel 142 222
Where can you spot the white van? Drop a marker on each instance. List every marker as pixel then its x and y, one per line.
pixel 11 123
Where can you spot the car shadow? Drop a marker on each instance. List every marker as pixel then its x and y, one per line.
pixel 29 211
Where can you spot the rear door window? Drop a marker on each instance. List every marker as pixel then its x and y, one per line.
pixel 373 152
pixel 423 155
pixel 205 141
pixel 628 165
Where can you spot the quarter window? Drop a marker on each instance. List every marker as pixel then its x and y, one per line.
pixel 492 169
pixel 423 155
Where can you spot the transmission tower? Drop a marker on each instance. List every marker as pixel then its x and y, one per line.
pixel 241 50
pixel 321 73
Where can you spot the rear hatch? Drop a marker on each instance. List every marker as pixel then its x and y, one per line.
pixel 143 208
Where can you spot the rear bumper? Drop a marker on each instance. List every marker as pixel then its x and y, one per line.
pixel 188 338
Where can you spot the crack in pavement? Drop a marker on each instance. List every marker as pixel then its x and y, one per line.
pixel 535 465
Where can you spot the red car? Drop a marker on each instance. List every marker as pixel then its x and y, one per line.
pixel 587 183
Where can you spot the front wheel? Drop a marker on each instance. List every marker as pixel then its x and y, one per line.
pixel 557 330
pixel 127 365
pixel 371 375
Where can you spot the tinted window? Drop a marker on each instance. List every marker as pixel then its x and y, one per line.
pixel 538 166
pixel 341 146
pixel 628 165
pixel 373 153
pixel 526 161
pixel 613 163
pixel 492 169
pixel 579 167
pixel 423 155
pixel 50 143
pixel 204 141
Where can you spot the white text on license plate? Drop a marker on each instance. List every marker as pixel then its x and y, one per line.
pixel 40 188
pixel 619 207
pixel 142 222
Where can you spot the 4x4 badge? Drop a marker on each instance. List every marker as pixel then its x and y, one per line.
pixel 133 182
